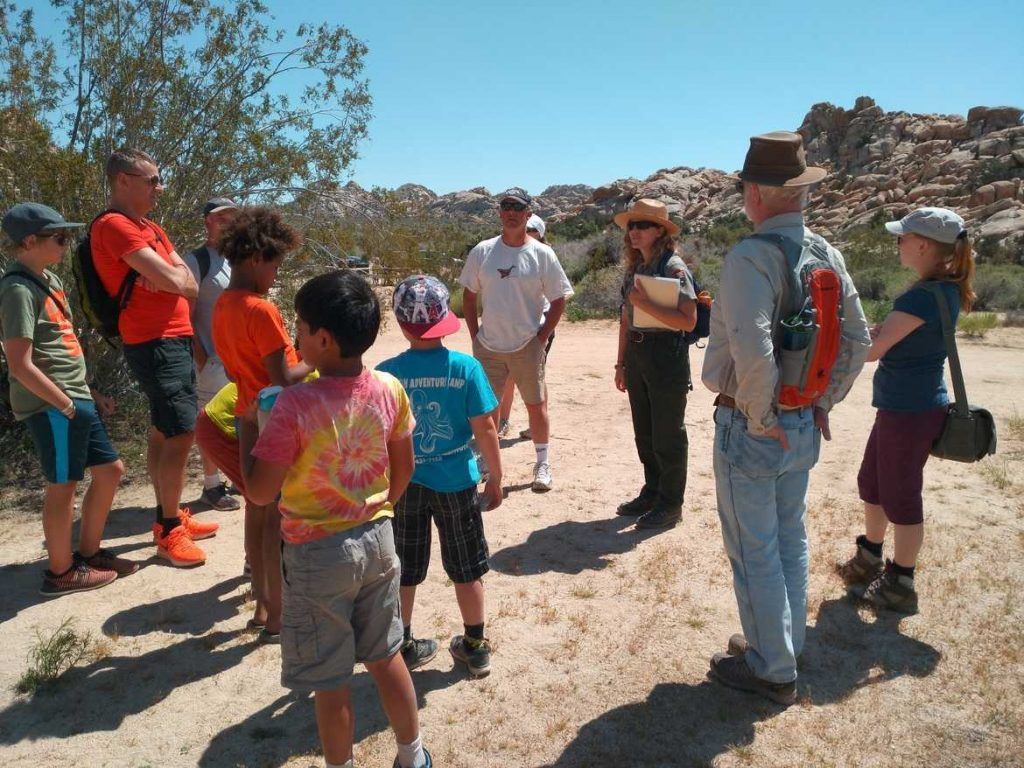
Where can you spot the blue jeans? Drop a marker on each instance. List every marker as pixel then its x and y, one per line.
pixel 762 494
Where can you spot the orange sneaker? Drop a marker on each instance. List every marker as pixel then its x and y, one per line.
pixel 197 529
pixel 177 547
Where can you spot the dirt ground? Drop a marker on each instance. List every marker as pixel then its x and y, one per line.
pixel 602 634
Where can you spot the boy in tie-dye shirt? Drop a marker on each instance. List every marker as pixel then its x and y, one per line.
pixel 339 451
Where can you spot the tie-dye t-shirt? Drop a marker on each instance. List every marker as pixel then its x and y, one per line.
pixel 332 433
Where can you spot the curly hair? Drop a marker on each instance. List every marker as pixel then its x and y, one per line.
pixel 259 233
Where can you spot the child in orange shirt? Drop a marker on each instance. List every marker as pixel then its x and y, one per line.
pixel 257 352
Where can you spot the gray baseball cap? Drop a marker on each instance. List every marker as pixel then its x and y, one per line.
pixel 218 204
pixel 26 219
pixel 938 224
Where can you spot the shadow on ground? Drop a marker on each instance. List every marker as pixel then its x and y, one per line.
pixel 680 724
pixel 194 613
pixel 99 696
pixel 286 727
pixel 570 547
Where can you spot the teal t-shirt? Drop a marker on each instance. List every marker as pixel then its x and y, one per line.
pixel 446 389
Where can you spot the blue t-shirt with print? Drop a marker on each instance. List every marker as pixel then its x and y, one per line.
pixel 446 389
pixel 909 376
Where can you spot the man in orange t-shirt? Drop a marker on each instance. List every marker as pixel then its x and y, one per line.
pixel 157 336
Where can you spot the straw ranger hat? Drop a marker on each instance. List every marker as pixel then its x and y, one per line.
pixel 646 209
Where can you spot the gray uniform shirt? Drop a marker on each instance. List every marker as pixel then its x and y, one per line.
pixel 741 358
pixel 674 267
pixel 210 289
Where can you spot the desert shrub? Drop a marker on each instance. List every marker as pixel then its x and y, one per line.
pixel 999 287
pixel 977 324
pixel 574 256
pixel 598 294
pixel 875 311
pixel 52 656
pixel 1013 319
pixel 991 170
pixel 707 270
pixel 990 250
pixel 725 231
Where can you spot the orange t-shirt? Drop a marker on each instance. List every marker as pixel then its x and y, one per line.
pixel 150 314
pixel 247 328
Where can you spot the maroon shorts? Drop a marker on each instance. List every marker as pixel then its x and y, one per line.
pixel 892 472
pixel 220 449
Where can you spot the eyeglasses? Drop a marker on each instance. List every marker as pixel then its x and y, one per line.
pixel 739 186
pixel 511 205
pixel 154 181
pixel 641 225
pixel 60 238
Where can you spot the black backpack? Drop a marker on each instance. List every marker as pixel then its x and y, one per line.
pixel 703 327
pixel 101 310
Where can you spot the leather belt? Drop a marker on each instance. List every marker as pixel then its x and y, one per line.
pixel 639 337
pixel 725 401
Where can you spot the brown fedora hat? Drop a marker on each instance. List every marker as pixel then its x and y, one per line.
pixel 777 159
pixel 646 209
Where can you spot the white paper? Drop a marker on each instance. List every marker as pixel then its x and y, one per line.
pixel 662 291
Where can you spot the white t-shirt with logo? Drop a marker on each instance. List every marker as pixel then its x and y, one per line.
pixel 516 286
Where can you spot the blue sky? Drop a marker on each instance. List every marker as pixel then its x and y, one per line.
pixel 478 93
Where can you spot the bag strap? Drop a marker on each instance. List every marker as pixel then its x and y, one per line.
pixel 949 337
pixel 124 291
pixel 43 287
pixel 203 260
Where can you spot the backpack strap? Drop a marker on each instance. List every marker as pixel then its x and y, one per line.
pixel 124 292
pixel 203 258
pixel 949 337
pixel 43 287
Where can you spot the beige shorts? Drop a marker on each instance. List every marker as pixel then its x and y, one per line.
pixel 525 366
pixel 339 605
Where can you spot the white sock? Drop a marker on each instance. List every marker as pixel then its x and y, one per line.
pixel 347 764
pixel 542 452
pixel 211 481
pixel 411 755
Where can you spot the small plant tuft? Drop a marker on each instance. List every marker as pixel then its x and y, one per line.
pixel 977 324
pixel 50 657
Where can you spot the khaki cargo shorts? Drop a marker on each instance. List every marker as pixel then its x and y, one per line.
pixel 525 366
pixel 340 605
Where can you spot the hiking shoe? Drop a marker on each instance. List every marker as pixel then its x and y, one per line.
pixel 733 672
pixel 503 429
pixel 660 517
pixel 737 645
pixel 862 568
pixel 105 560
pixel 643 503
pixel 475 654
pixel 428 764
pixel 418 652
pixel 177 547
pixel 526 434
pixel 541 477
pixel 81 577
pixel 892 591
pixel 197 529
pixel 219 497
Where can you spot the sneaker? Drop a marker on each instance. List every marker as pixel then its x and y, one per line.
pixel 660 517
pixel 219 497
pixel 892 591
pixel 197 529
pixel 503 429
pixel 428 764
pixel 541 477
pixel 733 672
pixel 862 568
pixel 177 547
pixel 81 577
pixel 644 502
pixel 476 655
pixel 526 434
pixel 418 652
pixel 105 560
pixel 738 645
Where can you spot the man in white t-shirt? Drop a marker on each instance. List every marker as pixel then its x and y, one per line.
pixel 516 277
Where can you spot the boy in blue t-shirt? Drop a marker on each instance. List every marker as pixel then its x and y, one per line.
pixel 452 402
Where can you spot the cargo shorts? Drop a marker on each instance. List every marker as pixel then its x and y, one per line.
pixel 340 605
pixel 525 366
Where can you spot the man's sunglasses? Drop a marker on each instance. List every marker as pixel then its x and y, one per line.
pixel 641 225
pixel 511 205
pixel 154 181
pixel 739 186
pixel 61 238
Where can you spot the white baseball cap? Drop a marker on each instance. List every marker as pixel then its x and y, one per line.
pixel 537 223
pixel 938 224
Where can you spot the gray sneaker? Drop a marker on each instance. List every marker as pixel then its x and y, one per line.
pixel 503 429
pixel 218 497
pixel 476 656
pixel 426 755
pixel 541 477
pixel 733 672
pixel 892 591
pixel 738 645
pixel 418 652
pixel 861 569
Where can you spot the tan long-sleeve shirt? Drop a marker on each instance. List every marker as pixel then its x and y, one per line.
pixel 746 335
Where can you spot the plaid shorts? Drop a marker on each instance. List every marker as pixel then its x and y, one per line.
pixel 460 527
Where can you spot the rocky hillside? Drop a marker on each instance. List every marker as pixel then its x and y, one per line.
pixel 880 163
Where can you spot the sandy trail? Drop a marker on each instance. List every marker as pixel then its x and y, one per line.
pixel 602 634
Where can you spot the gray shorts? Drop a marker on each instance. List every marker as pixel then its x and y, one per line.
pixel 340 606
